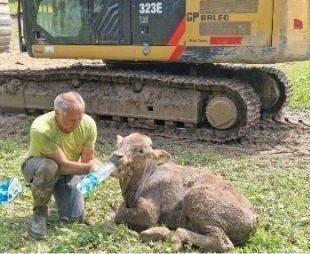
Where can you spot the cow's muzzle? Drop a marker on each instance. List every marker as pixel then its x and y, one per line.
pixel 116 159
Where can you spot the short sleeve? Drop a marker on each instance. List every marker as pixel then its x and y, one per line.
pixel 42 143
pixel 91 136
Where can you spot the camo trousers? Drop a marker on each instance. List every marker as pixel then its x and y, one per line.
pixel 44 179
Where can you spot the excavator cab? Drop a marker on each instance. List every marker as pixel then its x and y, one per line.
pixel 72 22
pixel 234 31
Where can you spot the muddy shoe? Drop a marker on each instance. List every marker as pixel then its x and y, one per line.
pixel 38 229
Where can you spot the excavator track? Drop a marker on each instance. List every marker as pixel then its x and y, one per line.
pixel 256 77
pixel 150 96
pixel 279 79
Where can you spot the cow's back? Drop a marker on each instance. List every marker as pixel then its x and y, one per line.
pixel 170 182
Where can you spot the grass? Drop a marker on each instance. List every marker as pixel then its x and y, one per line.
pixel 299 74
pixel 277 188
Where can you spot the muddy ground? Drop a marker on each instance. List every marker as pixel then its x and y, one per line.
pixel 270 139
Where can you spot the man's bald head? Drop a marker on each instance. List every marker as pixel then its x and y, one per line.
pixel 69 101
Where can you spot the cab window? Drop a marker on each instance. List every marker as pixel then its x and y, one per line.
pixel 60 18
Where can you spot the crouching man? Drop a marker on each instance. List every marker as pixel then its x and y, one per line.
pixel 61 149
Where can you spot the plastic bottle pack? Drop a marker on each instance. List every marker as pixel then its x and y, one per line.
pixel 9 189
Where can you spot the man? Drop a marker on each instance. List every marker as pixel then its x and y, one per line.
pixel 61 149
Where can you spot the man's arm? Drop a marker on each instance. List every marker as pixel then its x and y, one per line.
pixel 88 151
pixel 88 156
pixel 68 167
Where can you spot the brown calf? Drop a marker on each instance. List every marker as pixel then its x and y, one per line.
pixel 204 209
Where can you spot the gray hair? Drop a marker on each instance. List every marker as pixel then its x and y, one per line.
pixel 68 100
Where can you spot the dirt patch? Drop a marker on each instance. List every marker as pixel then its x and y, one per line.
pixel 268 139
pixel 15 126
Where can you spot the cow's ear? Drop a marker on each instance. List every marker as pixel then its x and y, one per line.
pixel 119 141
pixel 161 156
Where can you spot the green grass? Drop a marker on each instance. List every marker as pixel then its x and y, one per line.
pixel 299 74
pixel 13 6
pixel 277 188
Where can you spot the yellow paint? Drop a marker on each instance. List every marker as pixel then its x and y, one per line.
pixel 272 26
pixel 291 44
pixel 108 52
pixel 261 25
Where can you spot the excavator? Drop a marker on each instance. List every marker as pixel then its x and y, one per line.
pixel 168 63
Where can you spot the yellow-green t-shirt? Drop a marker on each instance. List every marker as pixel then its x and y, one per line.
pixel 45 137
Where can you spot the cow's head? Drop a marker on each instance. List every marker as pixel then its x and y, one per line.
pixel 134 152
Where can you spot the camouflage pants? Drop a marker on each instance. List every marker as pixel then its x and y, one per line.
pixel 43 176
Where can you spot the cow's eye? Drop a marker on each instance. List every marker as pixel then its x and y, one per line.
pixel 140 151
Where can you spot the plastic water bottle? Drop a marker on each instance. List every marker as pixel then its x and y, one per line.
pixel 9 189
pixel 93 179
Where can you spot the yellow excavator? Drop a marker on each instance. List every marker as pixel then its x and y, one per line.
pixel 171 63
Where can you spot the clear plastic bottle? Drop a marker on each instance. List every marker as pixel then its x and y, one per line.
pixel 9 189
pixel 93 179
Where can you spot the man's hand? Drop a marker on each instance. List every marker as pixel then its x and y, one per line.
pixel 96 165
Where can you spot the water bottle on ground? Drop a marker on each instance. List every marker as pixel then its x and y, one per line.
pixel 93 179
pixel 9 189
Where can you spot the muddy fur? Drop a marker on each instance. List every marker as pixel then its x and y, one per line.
pixel 203 208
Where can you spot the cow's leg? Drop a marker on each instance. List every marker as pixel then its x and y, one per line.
pixel 155 234
pixel 144 215
pixel 214 239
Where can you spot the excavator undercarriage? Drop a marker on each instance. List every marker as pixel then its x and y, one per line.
pixel 218 102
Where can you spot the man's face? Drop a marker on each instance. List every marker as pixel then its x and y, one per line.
pixel 69 120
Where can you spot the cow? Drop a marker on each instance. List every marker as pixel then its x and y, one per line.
pixel 194 206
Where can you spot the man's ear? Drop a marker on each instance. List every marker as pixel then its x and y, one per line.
pixel 161 156
pixel 119 141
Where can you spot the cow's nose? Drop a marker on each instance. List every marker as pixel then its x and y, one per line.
pixel 116 159
pixel 118 156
